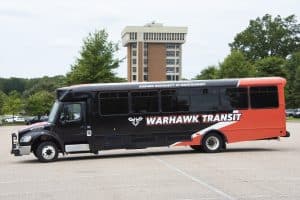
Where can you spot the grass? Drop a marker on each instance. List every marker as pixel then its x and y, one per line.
pixel 292 119
pixel 12 124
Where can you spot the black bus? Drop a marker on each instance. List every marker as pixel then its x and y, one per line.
pixel 202 114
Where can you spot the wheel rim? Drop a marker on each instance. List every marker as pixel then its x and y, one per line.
pixel 48 152
pixel 212 143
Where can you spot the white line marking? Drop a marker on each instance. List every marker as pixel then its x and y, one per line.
pixel 210 187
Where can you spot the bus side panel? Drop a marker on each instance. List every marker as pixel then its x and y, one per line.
pixel 254 124
pixel 259 123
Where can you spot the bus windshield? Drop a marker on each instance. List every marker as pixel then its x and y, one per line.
pixel 53 112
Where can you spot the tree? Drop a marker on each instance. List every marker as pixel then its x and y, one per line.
pixel 2 100
pixel 49 84
pixel 39 103
pixel 268 36
pixel 271 66
pixel 96 60
pixel 236 65
pixel 297 88
pixel 292 65
pixel 211 72
pixel 13 104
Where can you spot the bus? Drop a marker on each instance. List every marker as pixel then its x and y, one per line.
pixel 202 114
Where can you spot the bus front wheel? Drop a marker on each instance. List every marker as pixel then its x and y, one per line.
pixel 212 143
pixel 47 152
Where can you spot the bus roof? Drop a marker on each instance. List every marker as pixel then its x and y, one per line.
pixel 174 84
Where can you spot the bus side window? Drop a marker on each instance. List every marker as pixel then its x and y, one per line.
pixel 234 98
pixel 204 99
pixel 113 103
pixel 175 100
pixel 143 102
pixel 264 97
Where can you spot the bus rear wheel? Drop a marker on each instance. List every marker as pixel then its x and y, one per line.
pixel 212 143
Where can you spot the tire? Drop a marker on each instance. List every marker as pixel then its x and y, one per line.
pixel 34 153
pixel 47 152
pixel 212 143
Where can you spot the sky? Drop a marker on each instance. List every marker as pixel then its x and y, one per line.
pixel 43 37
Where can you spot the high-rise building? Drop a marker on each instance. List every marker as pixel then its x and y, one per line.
pixel 154 52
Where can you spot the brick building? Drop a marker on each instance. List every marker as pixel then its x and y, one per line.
pixel 154 52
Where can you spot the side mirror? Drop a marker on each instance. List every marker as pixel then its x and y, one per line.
pixel 62 121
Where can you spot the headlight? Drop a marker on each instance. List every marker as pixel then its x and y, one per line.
pixel 25 139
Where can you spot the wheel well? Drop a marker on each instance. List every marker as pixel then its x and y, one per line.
pixel 45 138
pixel 219 133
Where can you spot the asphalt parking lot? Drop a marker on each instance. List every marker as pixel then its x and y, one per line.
pixel 248 170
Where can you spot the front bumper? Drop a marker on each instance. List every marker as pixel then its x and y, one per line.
pixel 18 150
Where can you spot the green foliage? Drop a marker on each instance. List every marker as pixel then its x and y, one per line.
pixel 8 85
pixel 39 103
pixel 49 84
pixel 96 60
pixel 211 72
pixel 271 66
pixel 297 87
pixel 268 36
pixel 12 104
pixel 236 65
pixel 292 65
pixel 2 100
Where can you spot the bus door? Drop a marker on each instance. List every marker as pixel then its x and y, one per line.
pixel 71 126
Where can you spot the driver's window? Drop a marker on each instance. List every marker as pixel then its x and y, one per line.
pixel 71 112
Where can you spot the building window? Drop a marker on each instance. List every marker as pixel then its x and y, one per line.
pixel 170 69
pixel 170 77
pixel 145 69
pixel 145 61
pixel 145 77
pixel 177 70
pixel 170 61
pixel 170 53
pixel 134 53
pixel 145 53
pixel 170 46
pixel 134 77
pixel 176 78
pixel 134 61
pixel 133 45
pixel 134 69
pixel 177 53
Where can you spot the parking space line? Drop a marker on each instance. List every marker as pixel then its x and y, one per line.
pixel 197 180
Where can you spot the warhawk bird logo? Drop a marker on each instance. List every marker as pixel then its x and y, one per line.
pixel 135 120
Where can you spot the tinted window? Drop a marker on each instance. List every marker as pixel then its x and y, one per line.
pixel 175 100
pixel 143 102
pixel 71 112
pixel 264 97
pixel 234 98
pixel 113 103
pixel 204 99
